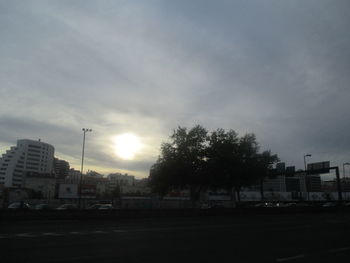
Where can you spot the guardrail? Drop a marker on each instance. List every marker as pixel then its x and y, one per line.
pixel 20 215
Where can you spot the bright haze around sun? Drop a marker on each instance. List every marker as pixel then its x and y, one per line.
pixel 133 71
pixel 127 146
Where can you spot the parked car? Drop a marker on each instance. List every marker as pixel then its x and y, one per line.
pixel 43 207
pixel 329 204
pixel 19 205
pixel 265 204
pixel 94 207
pixel 67 207
pixel 105 207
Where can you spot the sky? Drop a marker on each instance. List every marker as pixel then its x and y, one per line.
pixel 279 69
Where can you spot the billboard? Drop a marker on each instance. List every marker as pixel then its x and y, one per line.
pixel 319 166
pixel 68 191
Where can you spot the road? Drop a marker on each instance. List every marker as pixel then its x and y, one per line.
pixel 259 238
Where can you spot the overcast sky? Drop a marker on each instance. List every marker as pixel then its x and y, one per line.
pixel 279 69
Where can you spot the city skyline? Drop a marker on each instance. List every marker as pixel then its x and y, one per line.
pixel 276 69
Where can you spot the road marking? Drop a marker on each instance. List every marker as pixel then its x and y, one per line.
pixel 51 234
pixel 24 235
pixel 290 258
pixel 339 249
pixel 3 237
pixel 119 231
pixel 76 233
pixel 99 232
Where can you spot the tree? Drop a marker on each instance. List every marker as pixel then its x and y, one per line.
pixel 196 160
pixel 222 160
pixel 116 193
pixel 264 168
pixel 181 162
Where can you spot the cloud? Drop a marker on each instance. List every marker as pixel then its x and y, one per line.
pixel 278 69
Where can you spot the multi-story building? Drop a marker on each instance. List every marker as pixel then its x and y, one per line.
pixel 61 168
pixel 28 156
pixel 73 176
pixel 118 179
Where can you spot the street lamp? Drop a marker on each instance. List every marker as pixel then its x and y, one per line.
pixel 306 184
pixel 85 130
pixel 344 181
pixel 306 155
pixel 344 170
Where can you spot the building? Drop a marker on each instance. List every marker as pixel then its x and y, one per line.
pixel 277 184
pixel 61 168
pixel 73 176
pixel 292 184
pixel 27 156
pixel 42 186
pixel 118 179
pixel 313 183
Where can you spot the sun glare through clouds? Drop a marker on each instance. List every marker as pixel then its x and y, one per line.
pixel 127 145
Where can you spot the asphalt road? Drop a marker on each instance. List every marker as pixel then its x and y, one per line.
pixel 260 238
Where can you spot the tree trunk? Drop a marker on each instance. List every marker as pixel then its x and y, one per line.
pixel 238 191
pixel 233 197
pixel 262 190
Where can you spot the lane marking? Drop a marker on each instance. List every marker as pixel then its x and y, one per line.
pixel 339 249
pixel 76 233
pixel 99 232
pixel 119 231
pixel 290 258
pixel 51 234
pixel 24 235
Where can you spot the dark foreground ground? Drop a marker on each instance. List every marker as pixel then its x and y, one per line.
pixel 240 238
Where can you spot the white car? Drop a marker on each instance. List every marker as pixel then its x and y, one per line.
pixel 19 205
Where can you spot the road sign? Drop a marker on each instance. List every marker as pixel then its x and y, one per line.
pixel 318 166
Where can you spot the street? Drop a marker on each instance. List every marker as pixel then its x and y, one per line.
pixel 243 238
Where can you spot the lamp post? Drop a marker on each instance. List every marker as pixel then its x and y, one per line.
pixel 344 181
pixel 344 169
pixel 85 130
pixel 306 183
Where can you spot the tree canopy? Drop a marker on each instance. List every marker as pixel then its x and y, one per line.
pixel 196 160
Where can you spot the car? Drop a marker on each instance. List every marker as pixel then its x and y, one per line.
pixel 19 205
pixel 265 204
pixel 290 205
pixel 205 206
pixel 42 207
pixel 67 207
pixel 105 207
pixel 94 207
pixel 329 204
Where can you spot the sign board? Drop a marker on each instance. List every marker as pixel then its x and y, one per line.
pixel 88 191
pixel 318 166
pixel 68 191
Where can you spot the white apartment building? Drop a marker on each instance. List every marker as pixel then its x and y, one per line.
pixel 120 180
pixel 28 156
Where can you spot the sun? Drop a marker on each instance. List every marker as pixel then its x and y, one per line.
pixel 127 145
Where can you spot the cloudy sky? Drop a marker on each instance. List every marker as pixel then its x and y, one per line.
pixel 279 69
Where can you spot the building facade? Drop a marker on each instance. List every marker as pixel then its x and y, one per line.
pixel 28 156
pixel 61 168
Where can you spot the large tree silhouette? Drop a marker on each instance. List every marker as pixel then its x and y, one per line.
pixel 196 160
